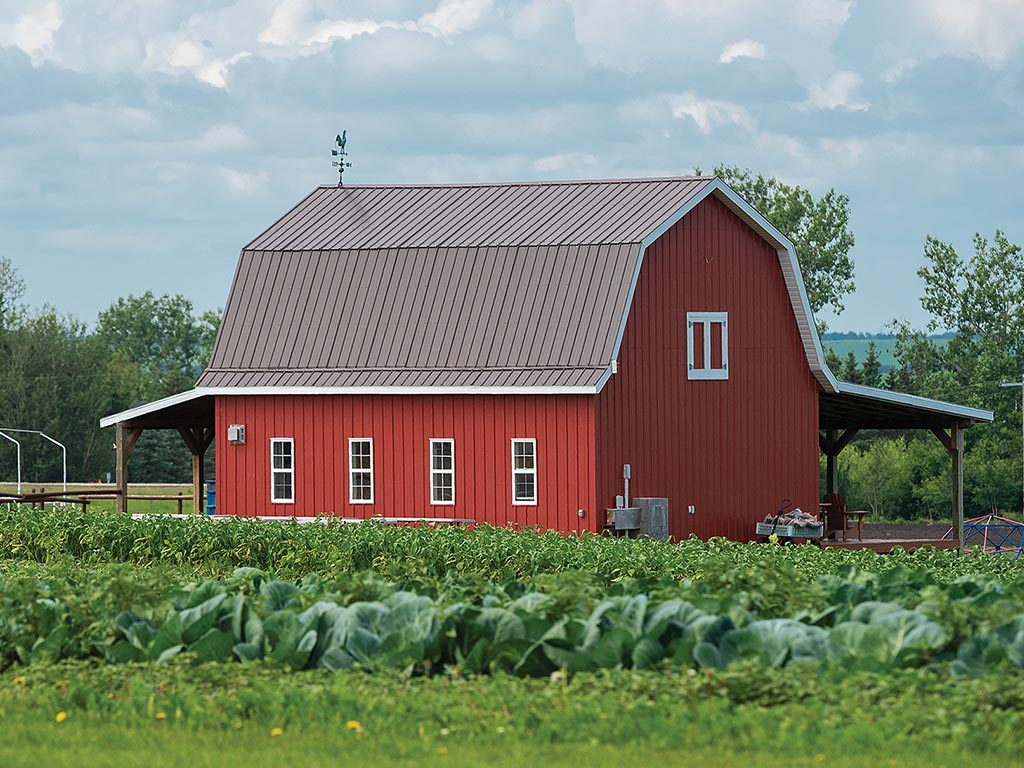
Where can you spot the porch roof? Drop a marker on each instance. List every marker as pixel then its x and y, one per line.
pixel 855 406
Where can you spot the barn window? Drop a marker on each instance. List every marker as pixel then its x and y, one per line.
pixel 360 470
pixel 707 345
pixel 524 471
pixel 282 470
pixel 442 471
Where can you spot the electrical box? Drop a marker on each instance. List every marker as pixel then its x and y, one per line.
pixel 236 434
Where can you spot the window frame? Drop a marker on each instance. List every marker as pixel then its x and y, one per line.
pixel 532 441
pixel 434 502
pixel 707 372
pixel 352 441
pixel 275 471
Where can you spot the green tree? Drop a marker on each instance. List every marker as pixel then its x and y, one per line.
pixel 819 228
pixel 871 368
pixel 850 372
pixel 158 345
pixel 879 477
pixel 12 289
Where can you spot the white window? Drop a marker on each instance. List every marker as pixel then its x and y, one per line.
pixel 442 471
pixel 282 470
pixel 360 470
pixel 707 345
pixel 524 471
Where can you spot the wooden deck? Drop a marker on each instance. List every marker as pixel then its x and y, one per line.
pixel 885 546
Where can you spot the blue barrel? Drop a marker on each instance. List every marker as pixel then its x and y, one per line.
pixel 211 497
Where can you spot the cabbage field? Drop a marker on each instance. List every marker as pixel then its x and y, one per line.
pixel 408 645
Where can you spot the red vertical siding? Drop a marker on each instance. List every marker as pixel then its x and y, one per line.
pixel 401 427
pixel 735 448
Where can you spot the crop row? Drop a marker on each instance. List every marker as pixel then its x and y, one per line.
pixel 333 549
pixel 858 622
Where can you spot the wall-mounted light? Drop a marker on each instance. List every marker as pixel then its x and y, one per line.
pixel 236 434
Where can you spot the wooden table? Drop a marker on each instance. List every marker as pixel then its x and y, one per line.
pixel 856 518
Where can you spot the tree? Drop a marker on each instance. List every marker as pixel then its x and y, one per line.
pixel 159 346
pixel 12 289
pixel 849 369
pixel 871 368
pixel 818 227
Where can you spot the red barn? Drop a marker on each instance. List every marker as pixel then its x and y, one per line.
pixel 498 352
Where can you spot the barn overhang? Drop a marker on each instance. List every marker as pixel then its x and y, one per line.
pixel 190 413
pixel 853 407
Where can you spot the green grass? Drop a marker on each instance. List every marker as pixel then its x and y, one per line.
pixel 141 506
pixel 215 715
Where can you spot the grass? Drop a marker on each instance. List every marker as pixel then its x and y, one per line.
pixel 142 506
pixel 215 715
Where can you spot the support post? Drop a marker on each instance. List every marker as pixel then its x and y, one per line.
pixel 125 438
pixel 957 455
pixel 197 439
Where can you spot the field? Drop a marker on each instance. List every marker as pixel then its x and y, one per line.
pixel 196 642
pixel 142 506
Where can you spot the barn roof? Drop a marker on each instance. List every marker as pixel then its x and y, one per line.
pixel 468 288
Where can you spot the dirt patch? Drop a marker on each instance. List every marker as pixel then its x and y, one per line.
pixel 908 531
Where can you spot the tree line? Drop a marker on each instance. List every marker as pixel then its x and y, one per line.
pixel 60 377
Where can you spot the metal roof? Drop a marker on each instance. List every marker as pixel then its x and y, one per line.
pixel 478 215
pixel 521 287
pixel 860 407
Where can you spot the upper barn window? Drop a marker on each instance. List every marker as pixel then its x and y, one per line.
pixel 707 345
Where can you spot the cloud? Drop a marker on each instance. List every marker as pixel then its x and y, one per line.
pixel 33 32
pixel 240 183
pixel 743 49
pixel 709 113
pixel 837 93
pixel 990 29
pixel 576 162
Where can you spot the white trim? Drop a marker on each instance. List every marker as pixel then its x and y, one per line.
pixel 524 502
pixel 156 405
pixel 290 471
pixel 351 486
pixel 915 401
pixel 198 392
pixel 430 475
pixel 707 319
pixel 787 258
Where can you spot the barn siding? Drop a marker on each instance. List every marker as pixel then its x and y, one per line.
pixel 735 448
pixel 401 427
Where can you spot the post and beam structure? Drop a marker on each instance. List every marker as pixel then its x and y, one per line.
pixel 832 444
pixel 125 438
pixel 954 444
pixel 198 439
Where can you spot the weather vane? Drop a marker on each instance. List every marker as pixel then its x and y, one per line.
pixel 339 152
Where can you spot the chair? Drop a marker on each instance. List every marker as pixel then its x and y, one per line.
pixel 833 509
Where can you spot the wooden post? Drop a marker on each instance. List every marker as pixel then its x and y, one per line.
pixel 197 439
pixel 957 455
pixel 831 463
pixel 125 438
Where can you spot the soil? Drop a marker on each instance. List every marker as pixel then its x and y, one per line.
pixel 907 531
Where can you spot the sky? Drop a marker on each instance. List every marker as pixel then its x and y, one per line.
pixel 144 142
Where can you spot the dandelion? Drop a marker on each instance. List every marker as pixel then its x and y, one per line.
pixel 276 731
pixel 501 729
pixel 161 715
pixel 819 758
pixel 444 731
pixel 442 750
pixel 354 725
pixel 61 717
pixel 19 680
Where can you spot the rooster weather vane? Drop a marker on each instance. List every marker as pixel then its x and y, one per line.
pixel 339 152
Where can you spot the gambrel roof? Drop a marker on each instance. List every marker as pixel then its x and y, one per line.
pixel 467 288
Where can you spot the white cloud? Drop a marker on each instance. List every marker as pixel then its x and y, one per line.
pixel 240 183
pixel 748 49
pixel 286 23
pixel 837 93
pixel 899 71
pixel 575 162
pixel 33 32
pixel 990 29
pixel 453 17
pixel 709 113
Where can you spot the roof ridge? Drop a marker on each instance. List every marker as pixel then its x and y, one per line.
pixel 539 183
pixel 460 247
